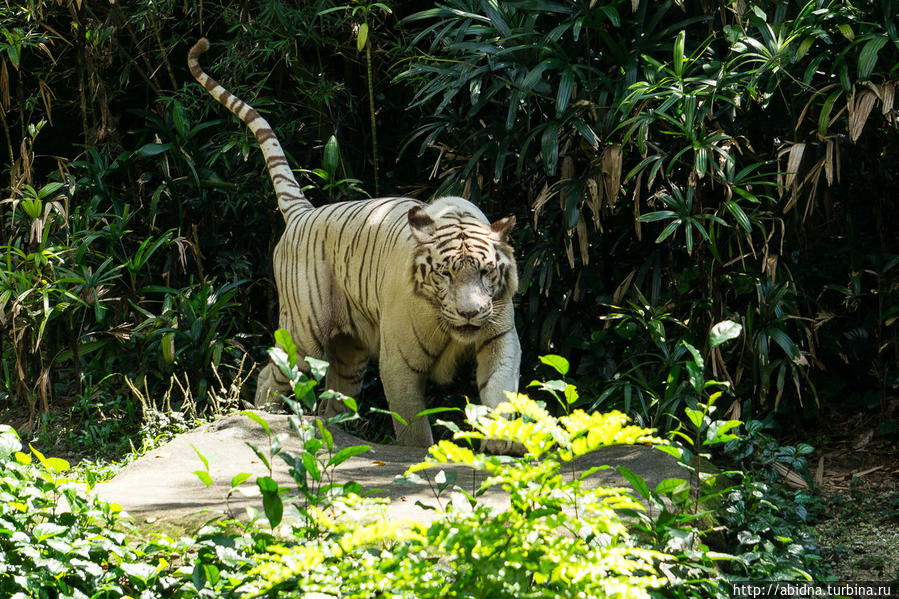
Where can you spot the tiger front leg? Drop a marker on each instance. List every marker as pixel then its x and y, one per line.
pixel 498 363
pixel 404 388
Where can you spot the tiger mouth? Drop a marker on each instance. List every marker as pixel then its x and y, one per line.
pixel 467 329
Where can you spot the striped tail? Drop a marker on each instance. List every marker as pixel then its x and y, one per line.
pixel 290 196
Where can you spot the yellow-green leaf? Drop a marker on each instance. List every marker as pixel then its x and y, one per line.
pixel 362 37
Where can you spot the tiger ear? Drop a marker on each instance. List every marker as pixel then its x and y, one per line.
pixel 421 224
pixel 502 228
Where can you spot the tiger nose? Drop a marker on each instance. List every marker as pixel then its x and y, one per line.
pixel 469 314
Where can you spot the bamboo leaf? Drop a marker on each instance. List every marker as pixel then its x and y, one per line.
pixel 679 53
pixel 563 95
pixel 739 215
pixel 867 58
pixel 549 144
pixel 824 116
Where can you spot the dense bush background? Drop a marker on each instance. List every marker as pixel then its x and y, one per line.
pixel 671 165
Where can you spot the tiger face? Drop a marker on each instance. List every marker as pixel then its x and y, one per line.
pixel 463 266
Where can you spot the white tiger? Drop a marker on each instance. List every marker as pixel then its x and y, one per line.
pixel 419 286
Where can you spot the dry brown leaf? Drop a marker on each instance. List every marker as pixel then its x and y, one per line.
pixel 566 173
pixel 539 202
pixel 793 161
pixel 4 86
pixel 622 288
pixel 887 93
pixel 583 242
pixel 875 88
pixel 610 164
pixel 46 50
pixel 828 161
pixel 868 471
pixel 569 250
pixel 594 198
pixel 859 108
pixel 791 477
pixel 814 177
pixel 46 97
pixel 637 224
pixel 863 439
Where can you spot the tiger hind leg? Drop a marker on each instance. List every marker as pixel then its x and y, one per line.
pixel 272 381
pixel 348 359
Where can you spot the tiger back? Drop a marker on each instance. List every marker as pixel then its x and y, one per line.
pixel 418 286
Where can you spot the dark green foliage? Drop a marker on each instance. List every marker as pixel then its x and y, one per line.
pixel 555 536
pixel 703 162
pixel 673 165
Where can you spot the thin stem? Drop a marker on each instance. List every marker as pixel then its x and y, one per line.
pixel 371 109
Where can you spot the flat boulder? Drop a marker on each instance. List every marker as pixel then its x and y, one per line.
pixel 163 489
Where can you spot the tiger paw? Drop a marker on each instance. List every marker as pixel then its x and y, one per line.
pixel 503 447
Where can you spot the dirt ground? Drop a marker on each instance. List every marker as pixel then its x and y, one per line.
pixel 857 473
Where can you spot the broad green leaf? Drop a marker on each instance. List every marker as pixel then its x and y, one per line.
pixel 331 157
pixel 272 504
pixel 138 570
pixel 362 37
pixel 350 403
pixel 258 420
pixel 239 478
pixel 55 464
pixel 167 345
pixel 804 47
pixel 669 229
pixel 204 476
pixel 695 416
pixel 671 486
pixel 559 363
pixel 346 453
pixel 326 435
pixel 311 466
pixel 697 357
pixel 846 30
pixel 724 331
pixel 718 432
pixel 283 338
pixel 571 394
pixel 317 367
pixel 202 457
pixel 151 149
pixel 48 530
pixel 636 481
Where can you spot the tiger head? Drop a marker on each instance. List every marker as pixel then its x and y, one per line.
pixel 462 265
